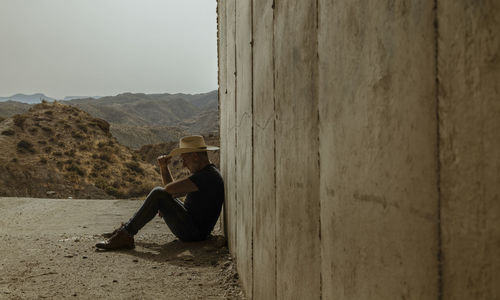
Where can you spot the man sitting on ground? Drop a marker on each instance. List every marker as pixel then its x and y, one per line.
pixel 192 220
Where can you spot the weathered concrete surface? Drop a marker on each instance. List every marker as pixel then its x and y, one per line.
pixel 469 97
pixel 379 221
pixel 222 79
pixel 297 166
pixel 230 139
pixel 244 132
pixel 264 223
pixel 349 181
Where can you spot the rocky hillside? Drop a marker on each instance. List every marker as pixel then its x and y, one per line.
pixel 10 108
pixel 59 151
pixel 136 136
pixel 140 119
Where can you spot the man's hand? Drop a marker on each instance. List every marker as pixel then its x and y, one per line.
pixel 163 161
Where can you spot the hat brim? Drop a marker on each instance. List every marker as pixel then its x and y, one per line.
pixel 179 151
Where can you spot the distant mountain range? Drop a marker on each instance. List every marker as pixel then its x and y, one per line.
pixel 137 119
pixel 37 98
pixel 68 98
pixel 30 99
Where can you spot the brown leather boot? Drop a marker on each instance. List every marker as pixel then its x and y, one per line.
pixel 120 240
pixel 110 234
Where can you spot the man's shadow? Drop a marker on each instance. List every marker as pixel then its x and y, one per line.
pixel 204 253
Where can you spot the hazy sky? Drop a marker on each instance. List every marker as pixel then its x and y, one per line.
pixel 105 47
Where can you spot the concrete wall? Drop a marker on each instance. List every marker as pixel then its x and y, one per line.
pixel 378 149
pixel 348 175
pixel 469 115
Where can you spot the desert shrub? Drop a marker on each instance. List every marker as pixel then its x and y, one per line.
pixel 1 119
pixel 69 109
pixel 95 156
pixel 19 121
pixel 47 149
pixel 113 192
pixel 134 166
pixel 39 119
pixel 77 135
pixel 42 105
pixel 24 146
pixel 14 159
pixel 105 157
pixel 52 140
pixel 107 149
pixel 8 132
pixel 43 160
pixel 139 189
pixel 82 127
pixel 57 153
pixel 83 148
pixel 58 135
pixel 70 153
pixel 60 144
pixel 48 112
pixel 129 178
pixel 68 161
pixel 47 130
pixel 108 189
pixel 42 142
pixel 67 126
pixel 101 145
pixel 103 125
pixel 32 130
pixel 76 169
pixel 99 166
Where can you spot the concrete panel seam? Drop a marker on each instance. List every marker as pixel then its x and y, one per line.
pixel 236 129
pixel 438 151
pixel 318 150
pixel 274 150
pixel 253 151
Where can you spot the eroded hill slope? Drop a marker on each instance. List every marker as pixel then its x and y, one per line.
pixel 60 151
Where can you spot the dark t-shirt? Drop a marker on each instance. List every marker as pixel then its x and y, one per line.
pixel 205 204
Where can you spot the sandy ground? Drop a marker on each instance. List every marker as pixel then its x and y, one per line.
pixel 47 251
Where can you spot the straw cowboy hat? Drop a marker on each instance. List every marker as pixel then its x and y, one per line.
pixel 193 143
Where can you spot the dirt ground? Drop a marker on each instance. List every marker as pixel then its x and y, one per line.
pixel 47 251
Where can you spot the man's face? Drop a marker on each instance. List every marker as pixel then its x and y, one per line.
pixel 189 160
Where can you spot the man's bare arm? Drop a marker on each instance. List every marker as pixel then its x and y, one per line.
pixel 166 176
pixel 181 187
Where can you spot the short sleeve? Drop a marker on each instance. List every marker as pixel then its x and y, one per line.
pixel 199 179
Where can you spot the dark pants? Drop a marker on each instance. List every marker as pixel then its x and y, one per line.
pixel 174 213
